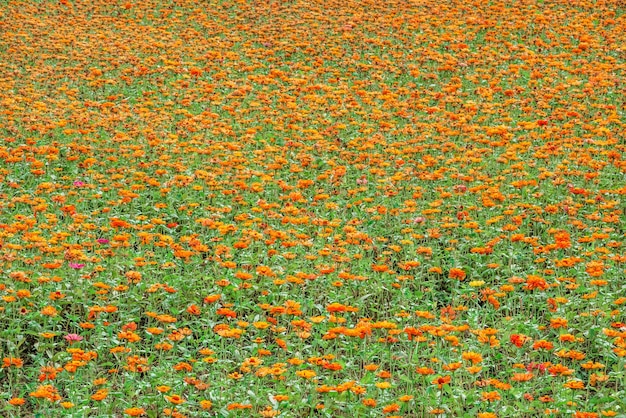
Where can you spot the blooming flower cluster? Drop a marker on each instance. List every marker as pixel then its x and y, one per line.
pixel 312 208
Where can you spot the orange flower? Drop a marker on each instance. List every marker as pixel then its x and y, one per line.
pixel 233 406
pixel 306 374
pixel 175 399
pixel 472 356
pixel 100 395
pixel 48 392
pixel 574 384
pixel 522 377
pixel 49 311
pixel 17 401
pixel 135 412
pixel 452 366
pixel 380 268
pixel 441 381
pixel 194 310
pixel 563 239
pixel 182 366
pixel 133 276
pixel 595 268
pixel 336 307
pixel 558 323
pixel 369 402
pixel 394 407
pixel 242 275
pixel 560 369
pixel 118 223
pixel 519 339
pixel 536 282
pixel 543 344
pixel 12 361
pixel 456 273
pixel 371 367
pixel 491 396
pixel 212 298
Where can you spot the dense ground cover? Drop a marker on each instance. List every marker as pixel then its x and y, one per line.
pixel 307 208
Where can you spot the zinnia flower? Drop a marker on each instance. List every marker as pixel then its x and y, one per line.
pixel 17 401
pixel 76 266
pixel 441 381
pixel 175 399
pixel 135 412
pixel 72 338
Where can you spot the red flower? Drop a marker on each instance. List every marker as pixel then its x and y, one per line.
pixel 519 339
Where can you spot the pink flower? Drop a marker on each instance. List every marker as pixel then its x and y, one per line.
pixel 73 338
pixel 102 241
pixel 76 265
pixel 79 183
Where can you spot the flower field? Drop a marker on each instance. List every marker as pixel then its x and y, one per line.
pixel 294 208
